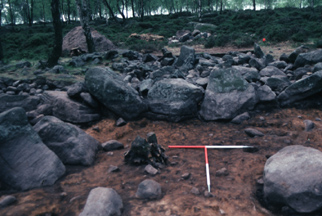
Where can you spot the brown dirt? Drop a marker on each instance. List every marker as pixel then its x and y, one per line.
pixel 235 194
pixel 275 49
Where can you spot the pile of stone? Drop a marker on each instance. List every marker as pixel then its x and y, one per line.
pixel 188 36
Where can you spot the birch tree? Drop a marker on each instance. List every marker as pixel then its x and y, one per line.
pixel 84 20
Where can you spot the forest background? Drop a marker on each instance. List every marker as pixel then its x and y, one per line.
pixel 26 31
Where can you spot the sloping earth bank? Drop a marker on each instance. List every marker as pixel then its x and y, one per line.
pixel 234 194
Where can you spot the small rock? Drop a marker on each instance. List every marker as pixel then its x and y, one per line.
pixel 120 122
pixel 318 119
pixel 240 118
pixel 151 170
pixel 195 191
pixel 112 145
pixel 186 176
pixel 261 118
pixel 222 211
pixel 253 132
pixel 260 180
pixel 149 189
pixel 208 194
pixel 222 172
pixel 113 168
pixel 309 125
pixel 96 128
pixel 7 201
pixel 63 195
pixel 110 153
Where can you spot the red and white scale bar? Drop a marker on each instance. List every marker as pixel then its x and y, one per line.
pixel 206 154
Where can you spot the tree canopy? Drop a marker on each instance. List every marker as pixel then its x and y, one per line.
pixel 30 11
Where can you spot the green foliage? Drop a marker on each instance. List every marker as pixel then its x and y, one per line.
pixel 144 46
pixel 318 43
pixel 300 37
pixel 243 41
pixel 218 40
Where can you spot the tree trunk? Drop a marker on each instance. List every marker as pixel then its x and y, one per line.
pixel 110 10
pixel 133 11
pixel 56 52
pixel 1 7
pixel 43 12
pixel 30 12
pixel 142 9
pixel 121 10
pixel 199 10
pixel 254 5
pixel 84 20
pixel 127 8
pixel 221 6
pixel 12 18
pixel 68 11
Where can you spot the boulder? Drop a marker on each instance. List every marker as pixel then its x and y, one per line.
pixel 103 202
pixel 250 74
pixel 300 72
pixel 149 189
pixel 278 64
pixel 187 58
pixel 175 98
pixel 25 161
pixel 139 152
pixel 265 94
pixel 71 144
pixel 10 101
pixel 109 88
pixel 270 71
pixel 277 83
pixel 227 95
pixel 301 89
pixel 309 58
pixel 75 90
pixel 292 178
pixel 75 38
pixel 317 67
pixel 258 51
pixel 69 110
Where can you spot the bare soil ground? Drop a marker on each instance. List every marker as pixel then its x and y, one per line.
pixel 234 194
pixel 237 194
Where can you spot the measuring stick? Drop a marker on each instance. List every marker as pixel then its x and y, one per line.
pixel 206 155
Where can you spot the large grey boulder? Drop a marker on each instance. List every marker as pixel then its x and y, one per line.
pixel 309 58
pixel 292 177
pixel 71 144
pixel 103 202
pixel 270 71
pixel 24 160
pixel 265 94
pixel 175 98
pixel 227 95
pixel 277 83
pixel 10 101
pixel 301 89
pixel 249 74
pixel 110 89
pixel 69 110
pixel 187 58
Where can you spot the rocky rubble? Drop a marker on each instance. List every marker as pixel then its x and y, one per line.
pixel 168 88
